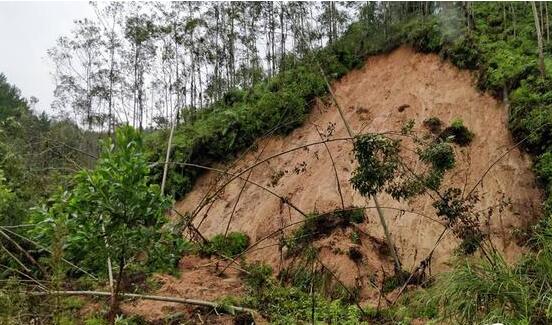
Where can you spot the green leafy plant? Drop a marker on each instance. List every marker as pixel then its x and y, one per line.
pixel 317 226
pixel 113 211
pixel 231 245
pixel 457 133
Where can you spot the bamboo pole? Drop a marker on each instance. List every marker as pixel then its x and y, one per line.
pixel 195 302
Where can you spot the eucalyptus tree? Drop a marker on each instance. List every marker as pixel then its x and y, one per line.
pixel 77 61
pixel 539 28
pixel 109 19
pixel 139 32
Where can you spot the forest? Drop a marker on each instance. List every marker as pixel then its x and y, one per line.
pixel 284 163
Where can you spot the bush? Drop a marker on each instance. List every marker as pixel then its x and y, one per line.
pixel 289 305
pixel 457 133
pixel 258 275
pixel 232 245
pixel 317 226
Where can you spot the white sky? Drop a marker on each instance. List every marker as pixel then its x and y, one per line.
pixel 27 30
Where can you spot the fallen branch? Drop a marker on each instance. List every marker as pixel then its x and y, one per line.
pixel 195 302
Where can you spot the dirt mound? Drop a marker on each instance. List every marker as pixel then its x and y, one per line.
pixel 198 280
pixel 383 95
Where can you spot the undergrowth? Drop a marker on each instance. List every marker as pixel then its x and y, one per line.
pixel 293 304
pixel 230 245
pixel 317 226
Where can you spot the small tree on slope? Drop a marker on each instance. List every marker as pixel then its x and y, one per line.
pixel 116 194
pixel 112 211
pixel 383 168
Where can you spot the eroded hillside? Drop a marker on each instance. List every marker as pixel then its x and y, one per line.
pixel 387 92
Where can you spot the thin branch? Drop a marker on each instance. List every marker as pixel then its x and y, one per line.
pixel 48 251
pixel 241 192
pixel 334 168
pixel 22 250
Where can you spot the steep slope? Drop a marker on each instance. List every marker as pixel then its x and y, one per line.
pixel 388 91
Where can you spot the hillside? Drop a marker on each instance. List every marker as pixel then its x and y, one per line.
pixel 388 91
pixel 284 163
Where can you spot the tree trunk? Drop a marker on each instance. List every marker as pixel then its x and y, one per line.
pixel 114 301
pixel 539 39
pixel 547 22
pixel 513 18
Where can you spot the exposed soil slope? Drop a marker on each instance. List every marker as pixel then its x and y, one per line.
pixel 383 95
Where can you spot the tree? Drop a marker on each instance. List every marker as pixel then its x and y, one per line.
pixel 139 31
pixel 539 39
pixel 112 210
pixel 77 62
pixel 382 168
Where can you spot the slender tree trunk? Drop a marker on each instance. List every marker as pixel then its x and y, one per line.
pixel 541 18
pixel 513 18
pixel 114 301
pixel 167 156
pixel 547 22
pixel 539 39
pixel 282 35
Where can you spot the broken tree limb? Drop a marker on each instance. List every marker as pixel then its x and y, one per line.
pixel 195 302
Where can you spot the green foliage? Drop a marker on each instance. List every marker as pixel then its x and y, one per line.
pixel 418 304
pixel 543 169
pixel 378 160
pixel 14 305
pixel 355 237
pixel 424 36
pixel 95 321
pixel 258 275
pixel 381 166
pixel 485 291
pixel 289 305
pixel 218 133
pixel 457 133
pixel 439 155
pixel 112 210
pixel 6 195
pixel 317 226
pixel 232 245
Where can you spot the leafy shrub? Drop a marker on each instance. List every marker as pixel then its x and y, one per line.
pixel 355 237
pixel 457 133
pixel 289 305
pixel 258 275
pixel 439 155
pixel 115 195
pixel 231 245
pixel 425 36
pixel 378 160
pixel 464 53
pixel 317 226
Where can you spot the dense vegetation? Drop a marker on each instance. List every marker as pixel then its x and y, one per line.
pixel 114 210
